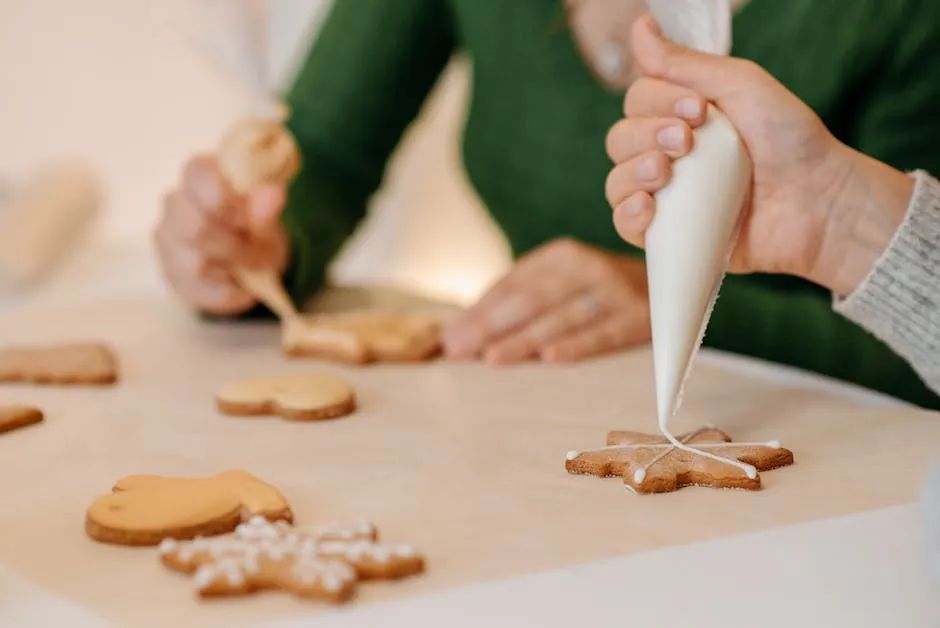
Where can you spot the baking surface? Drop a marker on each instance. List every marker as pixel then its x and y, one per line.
pixel 463 461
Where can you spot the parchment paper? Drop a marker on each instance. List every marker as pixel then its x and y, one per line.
pixel 464 461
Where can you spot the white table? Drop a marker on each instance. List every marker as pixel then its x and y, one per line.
pixel 860 570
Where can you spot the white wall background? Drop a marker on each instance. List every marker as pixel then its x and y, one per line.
pixel 116 83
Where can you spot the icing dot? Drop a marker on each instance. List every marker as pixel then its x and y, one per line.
pixel 774 443
pixel 639 475
pixel 750 471
pixel 235 578
pixel 571 455
pixel 204 577
pixel 331 582
pixel 380 553
pixel 168 545
pixel 405 551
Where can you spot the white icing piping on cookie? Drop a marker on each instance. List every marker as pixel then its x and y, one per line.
pixel 748 469
pixel 574 453
pixel 640 474
pixel 316 555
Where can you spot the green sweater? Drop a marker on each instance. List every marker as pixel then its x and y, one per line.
pixel 533 141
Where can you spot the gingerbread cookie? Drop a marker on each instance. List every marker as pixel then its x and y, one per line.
pixel 85 363
pixel 145 509
pixel 14 417
pixel 651 464
pixel 362 337
pixel 324 563
pixel 301 396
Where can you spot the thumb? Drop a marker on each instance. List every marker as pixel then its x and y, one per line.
pixel 712 76
pixel 265 204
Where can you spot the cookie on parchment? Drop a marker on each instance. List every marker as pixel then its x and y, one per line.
pixel 15 417
pixel 78 363
pixel 145 509
pixel 363 337
pixel 648 463
pixel 299 396
pixel 323 563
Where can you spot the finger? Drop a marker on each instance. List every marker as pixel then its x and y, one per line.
pixel 265 205
pixel 646 173
pixel 539 280
pixel 185 219
pixel 633 216
pixel 524 344
pixel 610 334
pixel 632 136
pixel 205 285
pixel 466 334
pixel 651 97
pixel 710 75
pixel 203 180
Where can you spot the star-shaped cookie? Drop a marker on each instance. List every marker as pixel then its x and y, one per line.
pixel 649 463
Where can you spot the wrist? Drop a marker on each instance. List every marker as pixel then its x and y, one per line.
pixel 861 215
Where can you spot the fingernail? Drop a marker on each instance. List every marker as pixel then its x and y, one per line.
pixel 635 205
pixel 670 137
pixel 647 170
pixel 688 108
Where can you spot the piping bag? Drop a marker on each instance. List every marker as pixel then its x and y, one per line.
pixel 257 148
pixel 690 239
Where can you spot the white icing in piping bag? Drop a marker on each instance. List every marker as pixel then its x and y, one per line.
pixel 690 238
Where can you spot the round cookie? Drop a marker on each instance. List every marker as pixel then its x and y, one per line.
pixel 300 396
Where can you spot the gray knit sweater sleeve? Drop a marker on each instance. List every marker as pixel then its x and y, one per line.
pixel 899 300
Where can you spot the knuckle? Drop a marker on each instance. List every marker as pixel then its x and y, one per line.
pixel 566 247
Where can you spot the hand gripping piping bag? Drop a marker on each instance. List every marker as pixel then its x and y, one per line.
pixel 258 148
pixel 689 241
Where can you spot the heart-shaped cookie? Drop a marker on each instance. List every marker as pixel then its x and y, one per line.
pixel 301 396
pixel 145 509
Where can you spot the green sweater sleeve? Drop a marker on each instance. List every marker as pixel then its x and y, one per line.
pixel 371 67
pixel 789 321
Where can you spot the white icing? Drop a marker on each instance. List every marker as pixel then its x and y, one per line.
pixel 312 559
pixel 571 455
pixel 639 475
pixel 204 577
pixel 168 545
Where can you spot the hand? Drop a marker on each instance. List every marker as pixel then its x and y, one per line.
pixel 206 230
pixel 563 301
pixel 814 210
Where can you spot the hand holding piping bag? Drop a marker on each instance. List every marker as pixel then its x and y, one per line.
pixel 254 153
pixel 800 212
pixel 801 216
pixel 220 240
